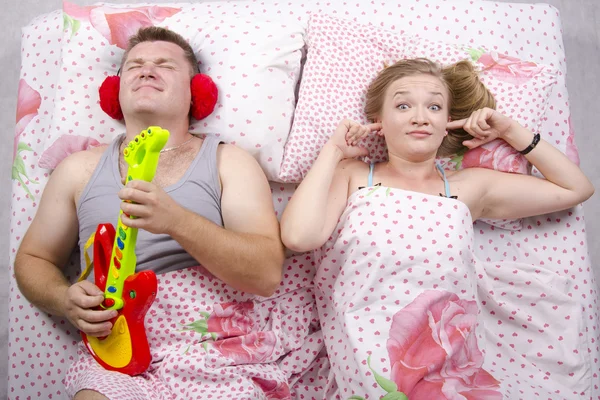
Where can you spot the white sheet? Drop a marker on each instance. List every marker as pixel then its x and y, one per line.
pixel 555 247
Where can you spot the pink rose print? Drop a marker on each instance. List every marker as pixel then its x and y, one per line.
pixel 272 389
pixel 226 320
pixel 571 150
pixel 508 69
pixel 77 12
pixel 433 350
pixel 117 24
pixel 63 147
pixel 482 387
pixel 255 347
pixel 28 104
pixel 497 155
pixel 231 319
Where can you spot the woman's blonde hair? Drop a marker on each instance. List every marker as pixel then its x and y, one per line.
pixel 467 93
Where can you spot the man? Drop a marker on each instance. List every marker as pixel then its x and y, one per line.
pixel 209 203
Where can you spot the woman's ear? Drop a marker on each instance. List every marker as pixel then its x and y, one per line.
pixel 378 121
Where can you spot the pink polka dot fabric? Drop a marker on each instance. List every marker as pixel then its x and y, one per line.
pixel 344 58
pixel 420 309
pixel 210 341
pixel 551 249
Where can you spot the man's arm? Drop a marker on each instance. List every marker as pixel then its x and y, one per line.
pixel 247 252
pixel 45 251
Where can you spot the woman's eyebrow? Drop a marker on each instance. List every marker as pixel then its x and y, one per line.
pixel 404 92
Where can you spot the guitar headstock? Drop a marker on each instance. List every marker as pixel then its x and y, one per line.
pixel 142 153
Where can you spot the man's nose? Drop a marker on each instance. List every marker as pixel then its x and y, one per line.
pixel 147 70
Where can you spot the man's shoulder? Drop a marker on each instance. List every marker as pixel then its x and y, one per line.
pixel 238 166
pixel 80 165
pixel 229 155
pixel 83 159
pixel 229 148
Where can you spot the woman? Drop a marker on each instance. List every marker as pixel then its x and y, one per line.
pixel 403 300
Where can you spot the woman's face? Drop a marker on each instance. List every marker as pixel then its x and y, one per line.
pixel 414 116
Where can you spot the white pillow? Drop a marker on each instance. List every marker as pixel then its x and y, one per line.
pixel 254 62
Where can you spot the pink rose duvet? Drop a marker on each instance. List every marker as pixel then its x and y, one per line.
pixel 409 311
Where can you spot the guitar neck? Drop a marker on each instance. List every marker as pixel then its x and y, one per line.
pixel 141 155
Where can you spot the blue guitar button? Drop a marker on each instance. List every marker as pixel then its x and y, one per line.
pixel 120 244
pixel 112 289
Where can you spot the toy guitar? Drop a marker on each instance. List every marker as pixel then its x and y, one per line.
pixel 126 349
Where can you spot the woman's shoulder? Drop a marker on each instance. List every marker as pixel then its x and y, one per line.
pixel 353 169
pixel 356 173
pixel 352 164
pixel 473 173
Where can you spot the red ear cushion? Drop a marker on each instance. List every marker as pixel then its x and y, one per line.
pixel 203 89
pixel 204 96
pixel 109 97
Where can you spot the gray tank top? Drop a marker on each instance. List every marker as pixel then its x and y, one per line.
pixel 198 191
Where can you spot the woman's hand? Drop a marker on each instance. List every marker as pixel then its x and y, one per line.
pixel 348 134
pixel 484 125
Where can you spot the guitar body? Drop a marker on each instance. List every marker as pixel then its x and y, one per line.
pixel 126 349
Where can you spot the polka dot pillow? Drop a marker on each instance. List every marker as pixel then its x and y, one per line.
pixel 255 63
pixel 344 58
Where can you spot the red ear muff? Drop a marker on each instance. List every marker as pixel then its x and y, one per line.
pixel 204 96
pixel 203 89
pixel 109 97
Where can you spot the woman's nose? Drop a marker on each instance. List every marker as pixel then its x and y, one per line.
pixel 419 116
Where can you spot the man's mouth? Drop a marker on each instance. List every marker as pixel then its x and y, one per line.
pixel 147 86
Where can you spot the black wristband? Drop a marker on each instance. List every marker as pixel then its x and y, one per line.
pixel 534 142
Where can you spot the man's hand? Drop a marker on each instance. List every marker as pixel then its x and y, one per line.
pixel 79 301
pixel 150 206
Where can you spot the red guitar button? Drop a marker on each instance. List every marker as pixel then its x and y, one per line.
pixel 108 303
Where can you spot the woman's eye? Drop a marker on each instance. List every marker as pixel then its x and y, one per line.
pixel 402 106
pixel 435 107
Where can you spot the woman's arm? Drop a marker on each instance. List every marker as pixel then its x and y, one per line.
pixel 512 195
pixel 313 211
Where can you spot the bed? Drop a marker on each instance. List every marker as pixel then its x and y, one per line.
pixel 276 103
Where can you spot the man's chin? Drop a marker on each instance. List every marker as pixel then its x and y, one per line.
pixel 145 109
